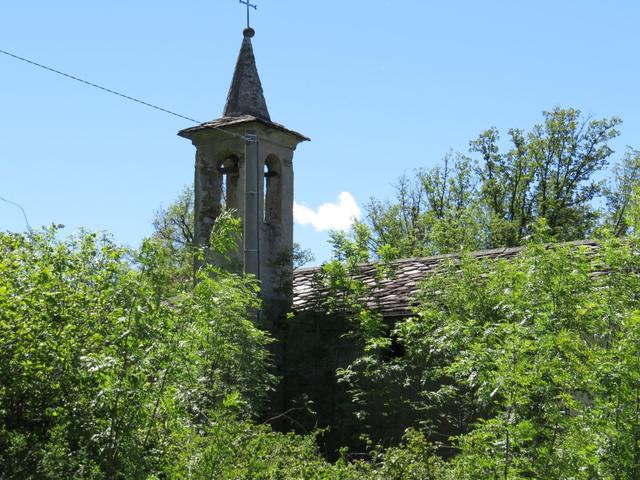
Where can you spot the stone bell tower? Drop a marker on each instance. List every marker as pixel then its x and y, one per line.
pixel 244 162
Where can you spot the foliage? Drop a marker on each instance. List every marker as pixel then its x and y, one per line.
pixel 548 173
pixel 621 194
pixel 434 212
pixel 99 356
pixel 109 368
pixel 173 228
pixel 414 459
pixel 525 368
pixel 233 449
pixel 174 225
pixel 120 364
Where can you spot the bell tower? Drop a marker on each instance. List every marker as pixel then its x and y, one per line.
pixel 244 162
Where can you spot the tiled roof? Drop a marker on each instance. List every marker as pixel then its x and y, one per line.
pixel 394 295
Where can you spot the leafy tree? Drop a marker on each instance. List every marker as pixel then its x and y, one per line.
pixel 115 364
pixel 435 211
pixel 233 449
pixel 520 369
pixel 174 225
pixel 547 173
pixel 110 369
pixel 173 230
pixel 99 357
pixel 621 194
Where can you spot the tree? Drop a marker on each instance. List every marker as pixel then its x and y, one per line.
pixel 547 173
pixel 174 225
pixel 435 211
pixel 525 368
pixel 102 355
pixel 173 228
pixel 506 181
pixel 622 192
pixel 109 369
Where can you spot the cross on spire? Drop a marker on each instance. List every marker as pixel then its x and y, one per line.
pixel 249 7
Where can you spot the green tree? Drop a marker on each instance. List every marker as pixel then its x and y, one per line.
pixel 100 358
pixel 174 225
pixel 525 368
pixel 621 194
pixel 548 173
pixel 435 211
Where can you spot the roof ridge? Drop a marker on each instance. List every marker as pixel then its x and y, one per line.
pixel 395 295
pixel 443 256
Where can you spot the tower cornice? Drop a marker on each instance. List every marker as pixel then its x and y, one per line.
pixel 223 122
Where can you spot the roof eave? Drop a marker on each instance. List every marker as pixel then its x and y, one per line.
pixel 225 122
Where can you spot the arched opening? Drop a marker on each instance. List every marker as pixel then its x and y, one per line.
pixel 229 168
pixel 272 190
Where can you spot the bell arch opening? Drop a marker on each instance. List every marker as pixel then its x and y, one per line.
pixel 272 190
pixel 230 173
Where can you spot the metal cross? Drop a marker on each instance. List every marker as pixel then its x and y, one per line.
pixel 249 6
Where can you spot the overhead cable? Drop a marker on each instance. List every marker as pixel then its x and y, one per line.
pixel 114 92
pixel 24 214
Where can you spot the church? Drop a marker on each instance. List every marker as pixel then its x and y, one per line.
pixel 244 160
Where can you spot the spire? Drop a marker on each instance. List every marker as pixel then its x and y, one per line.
pixel 245 95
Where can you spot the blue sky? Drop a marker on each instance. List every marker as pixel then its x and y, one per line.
pixel 381 87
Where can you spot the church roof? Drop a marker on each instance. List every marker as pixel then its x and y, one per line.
pixel 238 120
pixel 396 294
pixel 245 94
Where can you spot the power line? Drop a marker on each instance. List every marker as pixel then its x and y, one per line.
pixel 113 92
pixel 142 102
pixel 122 95
pixel 24 214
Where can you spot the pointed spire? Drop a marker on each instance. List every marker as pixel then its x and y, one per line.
pixel 245 95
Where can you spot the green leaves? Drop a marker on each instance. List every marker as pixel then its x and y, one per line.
pixel 549 174
pixel 519 350
pixel 100 356
pixel 526 368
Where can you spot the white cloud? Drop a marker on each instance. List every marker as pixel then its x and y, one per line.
pixel 329 216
